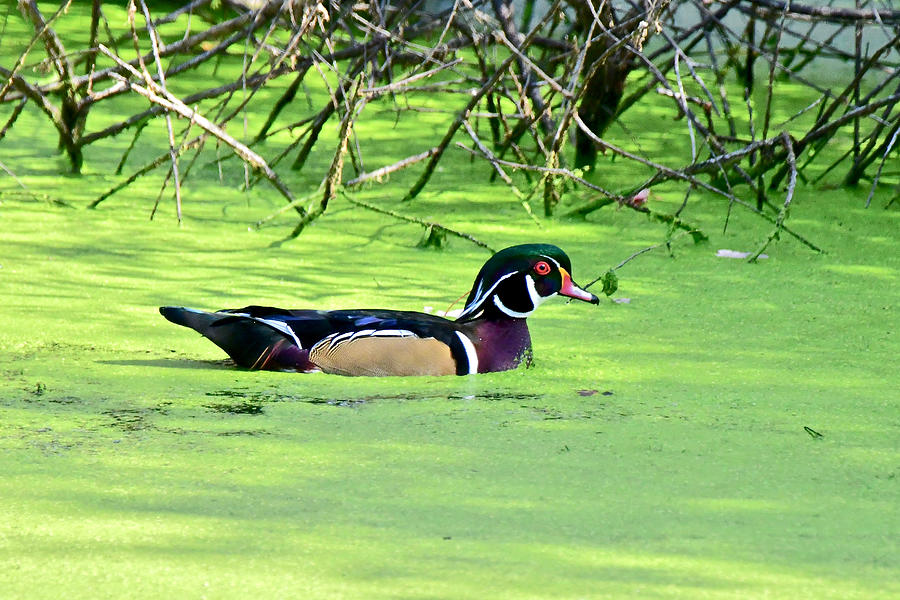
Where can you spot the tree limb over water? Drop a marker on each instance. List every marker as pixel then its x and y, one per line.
pixel 546 97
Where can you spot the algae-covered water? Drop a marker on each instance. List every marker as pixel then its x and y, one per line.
pixel 656 449
pixel 731 431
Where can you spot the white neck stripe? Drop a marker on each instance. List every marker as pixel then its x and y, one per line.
pixel 508 311
pixel 480 298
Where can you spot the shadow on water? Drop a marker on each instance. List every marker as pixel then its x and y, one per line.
pixel 172 363
pixel 249 401
pixel 133 419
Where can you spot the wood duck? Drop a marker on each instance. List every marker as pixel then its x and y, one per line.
pixel 489 335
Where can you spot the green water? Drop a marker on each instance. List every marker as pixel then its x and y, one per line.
pixel 136 462
pixel 656 449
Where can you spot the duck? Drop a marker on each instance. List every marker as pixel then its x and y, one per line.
pixel 489 335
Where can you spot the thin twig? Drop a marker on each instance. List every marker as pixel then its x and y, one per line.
pixel 166 100
pixel 378 174
pixel 422 222
pixel 154 42
pixel 783 212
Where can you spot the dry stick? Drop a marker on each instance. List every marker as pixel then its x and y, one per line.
pixel 512 36
pixel 820 46
pixel 35 95
pixel 260 44
pixel 398 85
pixel 828 129
pixel 761 197
pixel 668 242
pixel 289 95
pixel 447 23
pixel 255 80
pixel 335 172
pixel 182 47
pixel 109 37
pixel 829 13
pixel 760 51
pixel 720 80
pixel 569 106
pixel 293 205
pixel 166 100
pixel 154 42
pixel 493 159
pixel 689 64
pixel 709 17
pixel 499 170
pixel 189 8
pixel 867 155
pixel 706 105
pixel 142 171
pixel 71 114
pixel 709 137
pixel 421 222
pixel 38 34
pixel 767 115
pixel 610 197
pixel 154 111
pixel 842 100
pixel 519 99
pixel 451 131
pixel 6 169
pixel 377 174
pixel 258 81
pixel 723 93
pixel 527 62
pixel 783 212
pixel 530 115
pixel 92 41
pixel 494 122
pixel 55 49
pixel 283 101
pixel 476 98
pixel 554 171
pixel 322 118
pixel 134 139
pixel 12 118
pixel 681 100
pixel 669 173
pixel 192 99
pixel 890 146
pixel 172 170
pixel 185 46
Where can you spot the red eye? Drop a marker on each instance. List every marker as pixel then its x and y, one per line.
pixel 542 268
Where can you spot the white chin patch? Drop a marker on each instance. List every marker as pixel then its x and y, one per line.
pixel 536 300
pixel 508 311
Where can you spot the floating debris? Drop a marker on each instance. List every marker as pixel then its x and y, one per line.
pixel 723 253
pixel 813 433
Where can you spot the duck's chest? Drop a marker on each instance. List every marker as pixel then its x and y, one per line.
pixel 501 345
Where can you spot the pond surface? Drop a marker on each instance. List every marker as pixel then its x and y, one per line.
pixel 663 447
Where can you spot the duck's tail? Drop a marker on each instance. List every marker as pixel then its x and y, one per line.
pixel 250 342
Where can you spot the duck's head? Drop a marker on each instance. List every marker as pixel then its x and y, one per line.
pixel 516 280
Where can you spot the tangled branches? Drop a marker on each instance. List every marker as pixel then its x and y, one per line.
pixel 547 90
